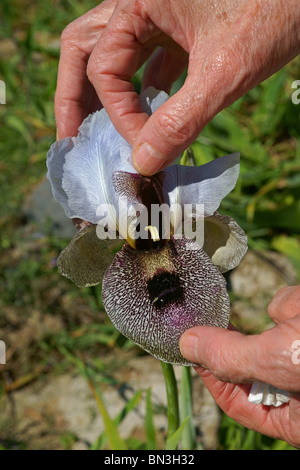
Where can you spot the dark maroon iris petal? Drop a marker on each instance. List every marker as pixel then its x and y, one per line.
pixel 145 190
pixel 153 296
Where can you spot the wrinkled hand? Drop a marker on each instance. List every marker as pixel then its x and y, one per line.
pixel 232 359
pixel 229 46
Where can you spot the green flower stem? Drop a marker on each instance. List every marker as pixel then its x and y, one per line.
pixel 186 409
pixel 172 398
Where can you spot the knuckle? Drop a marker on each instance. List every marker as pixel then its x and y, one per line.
pixel 215 359
pixel 285 303
pixel 100 63
pixel 281 360
pixel 174 128
pixel 272 308
pixel 68 35
pixel 94 69
pixel 276 356
pixel 91 68
pixel 278 301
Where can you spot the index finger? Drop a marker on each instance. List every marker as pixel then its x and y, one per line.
pixel 75 97
pixel 112 64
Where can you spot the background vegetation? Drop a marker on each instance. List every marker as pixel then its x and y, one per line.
pixel 264 126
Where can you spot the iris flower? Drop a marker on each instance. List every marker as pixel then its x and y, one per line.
pixel 156 286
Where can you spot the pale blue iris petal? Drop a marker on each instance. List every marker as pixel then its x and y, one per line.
pixel 152 99
pixel 207 184
pixel 80 169
pixel 88 177
pixel 55 163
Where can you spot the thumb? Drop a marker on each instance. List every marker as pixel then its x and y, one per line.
pixel 178 122
pixel 172 128
pixel 229 355
pixel 234 357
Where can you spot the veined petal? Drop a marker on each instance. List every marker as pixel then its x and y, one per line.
pixel 80 169
pixel 86 258
pixel 55 163
pixel 207 184
pixel 224 241
pixel 152 297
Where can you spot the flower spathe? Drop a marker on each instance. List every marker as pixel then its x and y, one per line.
pixel 156 288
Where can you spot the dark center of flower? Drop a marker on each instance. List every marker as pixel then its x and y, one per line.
pixel 151 193
pixel 165 288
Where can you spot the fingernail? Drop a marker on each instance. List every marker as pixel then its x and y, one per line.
pixel 189 347
pixel 147 159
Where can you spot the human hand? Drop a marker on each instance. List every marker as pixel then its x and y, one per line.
pixel 231 361
pixel 229 46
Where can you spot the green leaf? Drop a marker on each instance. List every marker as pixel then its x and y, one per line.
pixel 228 134
pixel 290 247
pixel 270 110
pixel 130 405
pixel 286 217
pixel 173 441
pixel 18 125
pixel 149 423
pixel 202 153
pixel 112 433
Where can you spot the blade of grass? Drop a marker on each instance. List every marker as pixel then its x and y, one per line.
pixel 113 437
pixel 173 440
pixel 130 405
pixel 149 424
pixel 112 433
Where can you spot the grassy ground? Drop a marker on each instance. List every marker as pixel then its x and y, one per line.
pixel 263 126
